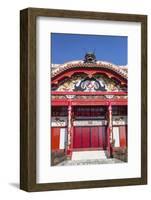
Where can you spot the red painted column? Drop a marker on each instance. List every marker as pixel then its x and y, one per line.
pixel 109 131
pixel 69 130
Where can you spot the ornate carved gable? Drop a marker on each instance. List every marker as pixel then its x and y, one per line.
pixel 83 82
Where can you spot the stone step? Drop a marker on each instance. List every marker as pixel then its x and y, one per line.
pixel 86 155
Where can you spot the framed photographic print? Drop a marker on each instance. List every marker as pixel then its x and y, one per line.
pixel 83 99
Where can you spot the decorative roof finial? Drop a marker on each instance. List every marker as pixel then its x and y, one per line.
pixel 90 57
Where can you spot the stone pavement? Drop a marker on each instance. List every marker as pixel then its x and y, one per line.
pixel 89 162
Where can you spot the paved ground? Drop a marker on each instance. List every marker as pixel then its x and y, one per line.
pixel 90 162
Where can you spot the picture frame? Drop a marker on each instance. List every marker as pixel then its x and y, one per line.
pixel 28 98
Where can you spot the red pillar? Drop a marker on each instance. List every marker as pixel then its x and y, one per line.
pixel 69 131
pixel 109 131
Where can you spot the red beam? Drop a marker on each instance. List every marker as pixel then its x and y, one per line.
pixel 59 103
pixel 87 93
pixel 86 102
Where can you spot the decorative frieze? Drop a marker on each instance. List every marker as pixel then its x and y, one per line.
pixel 58 121
pixel 89 122
pixel 119 120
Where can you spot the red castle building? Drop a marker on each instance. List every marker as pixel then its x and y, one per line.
pixel 88 108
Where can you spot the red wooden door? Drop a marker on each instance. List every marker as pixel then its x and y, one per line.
pixel 77 137
pixel 122 136
pixel 55 138
pixel 94 137
pixel 102 137
pixel 85 132
pixel 81 137
pixel 90 137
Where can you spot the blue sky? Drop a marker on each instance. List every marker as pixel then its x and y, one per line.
pixel 68 47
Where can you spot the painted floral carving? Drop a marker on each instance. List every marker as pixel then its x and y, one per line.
pixel 86 84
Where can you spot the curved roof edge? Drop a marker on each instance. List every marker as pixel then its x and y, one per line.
pixel 58 68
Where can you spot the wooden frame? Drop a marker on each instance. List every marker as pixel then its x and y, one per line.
pixel 28 99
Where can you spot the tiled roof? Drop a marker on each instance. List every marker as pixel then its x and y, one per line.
pixel 121 70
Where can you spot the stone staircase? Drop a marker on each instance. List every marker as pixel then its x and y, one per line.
pixel 89 155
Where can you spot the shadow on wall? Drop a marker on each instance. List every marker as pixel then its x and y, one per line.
pixel 16 185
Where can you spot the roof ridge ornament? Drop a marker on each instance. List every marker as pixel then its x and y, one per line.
pixel 90 57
